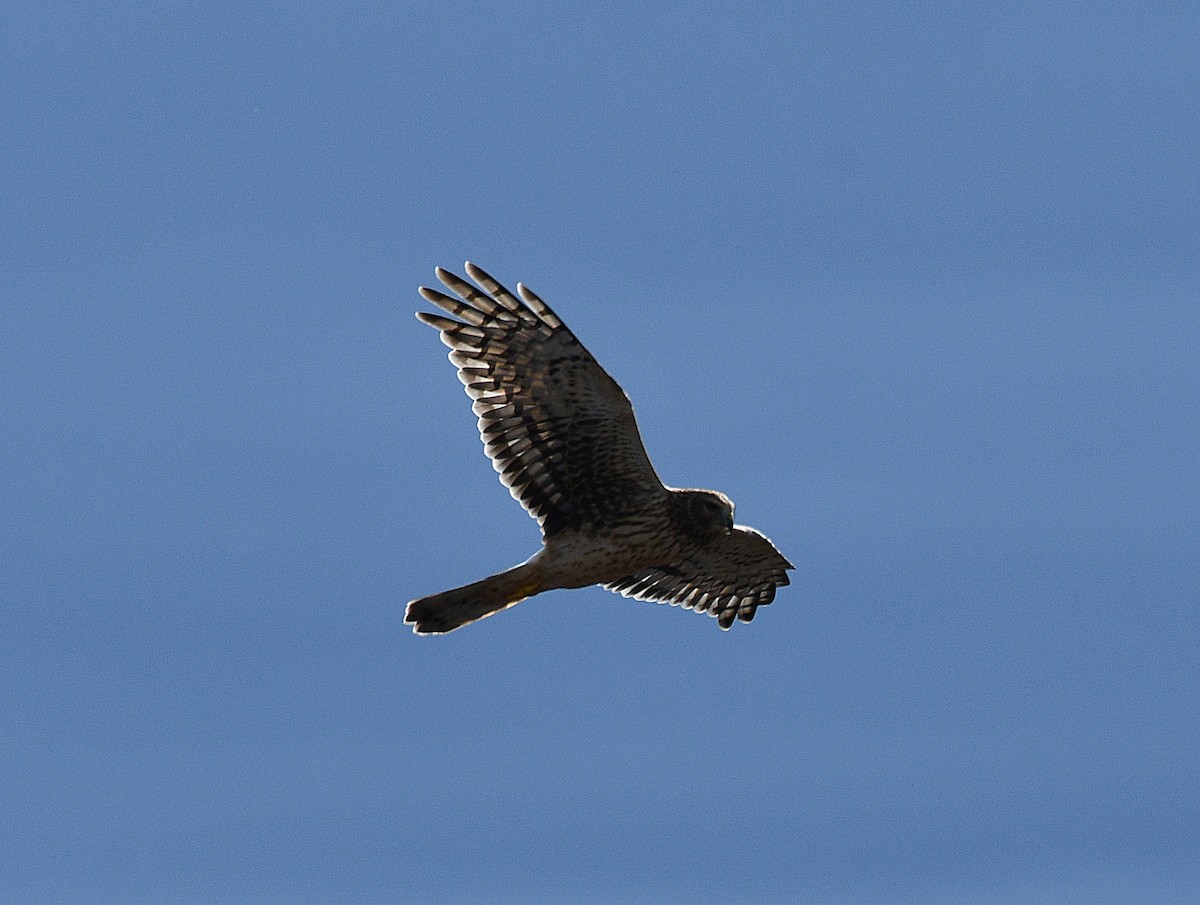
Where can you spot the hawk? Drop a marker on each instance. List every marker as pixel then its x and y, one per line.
pixel 561 433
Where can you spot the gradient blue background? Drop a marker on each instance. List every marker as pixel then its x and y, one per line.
pixel 916 286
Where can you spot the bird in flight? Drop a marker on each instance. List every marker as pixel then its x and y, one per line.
pixel 561 433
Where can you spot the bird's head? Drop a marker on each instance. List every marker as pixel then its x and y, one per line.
pixel 710 513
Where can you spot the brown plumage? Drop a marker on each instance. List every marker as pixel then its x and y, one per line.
pixel 561 433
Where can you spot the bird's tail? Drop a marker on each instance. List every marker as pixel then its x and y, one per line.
pixel 440 613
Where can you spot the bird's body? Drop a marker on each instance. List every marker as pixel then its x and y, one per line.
pixel 562 435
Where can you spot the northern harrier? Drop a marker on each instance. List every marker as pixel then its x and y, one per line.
pixel 561 433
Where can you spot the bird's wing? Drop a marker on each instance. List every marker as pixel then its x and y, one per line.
pixel 558 429
pixel 730 577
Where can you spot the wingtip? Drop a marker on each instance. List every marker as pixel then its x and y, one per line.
pixel 419 627
pixel 428 319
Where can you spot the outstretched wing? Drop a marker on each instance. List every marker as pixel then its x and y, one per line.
pixel 730 577
pixel 558 429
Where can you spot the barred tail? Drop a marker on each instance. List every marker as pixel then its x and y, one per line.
pixel 440 613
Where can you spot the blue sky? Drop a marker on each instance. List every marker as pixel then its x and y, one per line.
pixel 915 285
